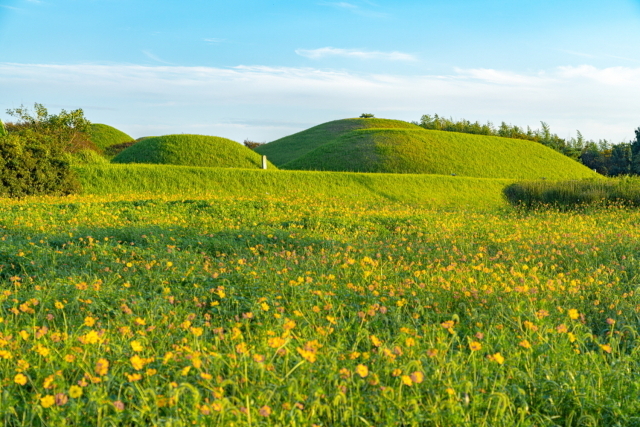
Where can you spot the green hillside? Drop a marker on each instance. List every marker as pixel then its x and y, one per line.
pixel 411 149
pixel 104 136
pixel 297 145
pixel 191 150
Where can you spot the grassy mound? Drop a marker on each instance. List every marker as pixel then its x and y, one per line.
pixel 104 136
pixel 297 145
pixel 416 150
pixel 423 190
pixel 191 150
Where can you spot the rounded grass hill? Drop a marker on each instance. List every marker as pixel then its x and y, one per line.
pixel 104 136
pixel 191 150
pixel 392 146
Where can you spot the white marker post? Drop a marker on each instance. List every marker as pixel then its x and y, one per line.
pixel 264 162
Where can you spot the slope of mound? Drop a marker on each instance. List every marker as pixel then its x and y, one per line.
pixel 104 136
pixel 438 152
pixel 191 150
pixel 297 145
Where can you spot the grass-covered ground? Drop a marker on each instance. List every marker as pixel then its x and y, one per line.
pixel 191 150
pixel 426 190
pixel 294 310
pixel 391 146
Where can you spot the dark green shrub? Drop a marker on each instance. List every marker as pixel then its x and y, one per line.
pixel 31 165
pixel 575 193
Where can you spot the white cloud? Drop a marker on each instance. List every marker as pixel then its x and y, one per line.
pixel 353 53
pixel 264 103
pixel 213 40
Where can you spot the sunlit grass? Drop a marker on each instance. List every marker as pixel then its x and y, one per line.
pixel 274 310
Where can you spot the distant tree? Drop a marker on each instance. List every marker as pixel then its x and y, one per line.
pixel 366 116
pixel 635 153
pixel 252 144
pixel 620 163
pixel 66 131
pixel 594 158
pixel 3 130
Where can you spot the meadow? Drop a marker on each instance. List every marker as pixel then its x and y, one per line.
pixel 221 308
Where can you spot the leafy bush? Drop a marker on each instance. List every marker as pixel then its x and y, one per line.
pixel 31 165
pixel 576 193
pixel 67 131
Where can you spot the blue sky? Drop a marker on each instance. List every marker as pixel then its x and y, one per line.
pixel 264 69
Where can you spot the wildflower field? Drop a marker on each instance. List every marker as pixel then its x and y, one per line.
pixel 222 310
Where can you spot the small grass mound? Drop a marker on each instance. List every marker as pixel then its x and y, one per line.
pixel 294 146
pixel 574 194
pixel 191 150
pixel 104 136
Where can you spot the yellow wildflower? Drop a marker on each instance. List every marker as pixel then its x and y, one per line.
pixel 20 379
pixel 102 367
pixel 362 370
pixel 47 401
pixel 75 391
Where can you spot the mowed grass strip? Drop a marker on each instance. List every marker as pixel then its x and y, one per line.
pixel 427 190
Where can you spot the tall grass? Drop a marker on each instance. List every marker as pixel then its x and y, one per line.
pixel 574 193
pixel 249 311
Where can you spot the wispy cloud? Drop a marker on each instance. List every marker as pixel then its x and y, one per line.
pixel 213 40
pixel 154 57
pixel 340 5
pixel 601 102
pixel 325 52
pixel 581 54
pixel 354 8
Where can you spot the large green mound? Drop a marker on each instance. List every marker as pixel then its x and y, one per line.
pixel 191 150
pixel 297 145
pixel 104 136
pixel 411 149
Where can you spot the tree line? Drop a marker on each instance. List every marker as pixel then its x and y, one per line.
pixel 602 156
